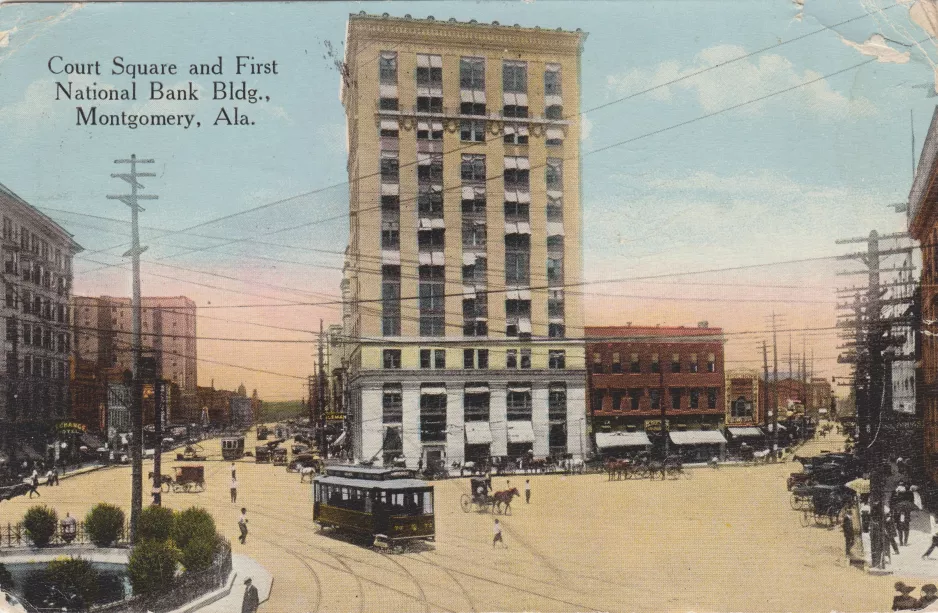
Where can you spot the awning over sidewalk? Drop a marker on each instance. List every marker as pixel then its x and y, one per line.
pixel 746 432
pixel 478 433
pixel 697 437
pixel 605 440
pixel 520 432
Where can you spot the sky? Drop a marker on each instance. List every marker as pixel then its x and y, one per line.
pixel 683 179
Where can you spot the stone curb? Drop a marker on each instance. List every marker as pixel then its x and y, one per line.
pixel 209 598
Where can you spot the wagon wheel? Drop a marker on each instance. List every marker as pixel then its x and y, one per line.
pixel 795 502
pixel 806 518
pixel 165 486
pixel 465 501
pixel 200 486
pixel 178 487
pixel 686 473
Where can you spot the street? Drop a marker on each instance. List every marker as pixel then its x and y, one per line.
pixel 723 540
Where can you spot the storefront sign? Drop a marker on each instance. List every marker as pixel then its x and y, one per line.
pixel 70 427
pixel 654 425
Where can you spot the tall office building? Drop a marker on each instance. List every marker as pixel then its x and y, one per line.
pixel 465 229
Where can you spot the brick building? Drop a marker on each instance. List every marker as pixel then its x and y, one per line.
pixel 635 372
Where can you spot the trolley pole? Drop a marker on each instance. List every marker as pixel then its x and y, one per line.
pixel 136 412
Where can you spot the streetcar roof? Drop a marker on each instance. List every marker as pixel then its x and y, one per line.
pixel 389 484
pixel 368 472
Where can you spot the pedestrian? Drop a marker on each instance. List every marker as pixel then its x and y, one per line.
pixel 50 478
pixel 497 536
pixel 234 488
pixel 527 491
pixel 890 533
pixel 903 601
pixel 904 524
pixel 929 595
pixel 243 525
pixel 934 545
pixel 251 599
pixel 233 471
pixel 34 484
pixel 848 533
pixel 55 475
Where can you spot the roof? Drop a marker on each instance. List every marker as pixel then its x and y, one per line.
pixel 372 473
pixel 390 484
pixel 653 333
pixel 924 179
pixel 42 217
pixel 472 23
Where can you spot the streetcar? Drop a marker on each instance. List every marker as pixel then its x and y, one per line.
pixel 232 447
pixel 387 506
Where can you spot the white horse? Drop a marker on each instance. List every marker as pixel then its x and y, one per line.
pixel 307 471
pixel 574 465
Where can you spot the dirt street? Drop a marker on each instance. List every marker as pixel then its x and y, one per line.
pixel 723 540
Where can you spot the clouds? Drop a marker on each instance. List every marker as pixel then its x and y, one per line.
pixel 733 82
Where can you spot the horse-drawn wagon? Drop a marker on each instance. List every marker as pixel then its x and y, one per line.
pixel 482 499
pixel 189 479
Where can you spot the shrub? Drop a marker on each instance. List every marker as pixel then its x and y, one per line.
pixel 40 522
pixel 199 552
pixel 152 566
pixel 155 523
pixel 104 524
pixel 6 579
pixel 73 576
pixel 192 523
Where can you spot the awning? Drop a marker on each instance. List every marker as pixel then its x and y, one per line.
pixel 511 162
pixel 860 486
pixel 748 431
pixel 339 439
pixel 519 388
pixel 520 432
pixel 604 440
pixel 524 326
pixel 468 292
pixel 433 391
pixel 524 163
pixel 472 95
pixel 390 189
pixel 551 100
pixel 697 437
pixel 390 257
pixel 554 134
pixel 389 124
pixel 518 294
pixel 468 193
pixel 478 433
pixel 555 228
pixel 780 427
pixel 388 91
pixel 477 389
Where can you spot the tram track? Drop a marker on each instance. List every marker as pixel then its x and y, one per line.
pixel 301 559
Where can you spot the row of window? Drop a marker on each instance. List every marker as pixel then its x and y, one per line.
pixel 475 358
pixel 651 363
pixel 35 244
pixel 35 305
pixel 35 273
pixel 36 367
pixel 476 402
pixel 516 174
pixel 636 399
pixel 37 336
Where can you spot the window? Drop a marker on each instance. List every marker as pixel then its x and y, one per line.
pixel 390 235
pixel 556 359
pixel 472 73
pixel 616 362
pixel 430 239
pixel 695 398
pixel 7 228
pixel 27 334
pixel 517 317
pixel 517 259
pixel 429 83
pixel 439 358
pixel 525 358
pixel 429 130
pixel 511 358
pixel 554 174
pixel 468 359
pixel 432 412
pixel 516 134
pixel 389 128
pixel 425 356
pixel 391 300
pixel 555 330
pixel 634 365
pixel 387 67
pixel 655 395
pixel 430 201
pixel 635 398
pixel 476 403
pixel 557 402
pixel 429 168
pixel 390 167
pixel 655 363
pixel 387 104
pixel 392 358
pixel 483 358
pixel 473 108
pixel 10 297
pixel 472 168
pixel 693 362
pixel 552 79
pixel 472 130
pixel 12 365
pixel 515 77
pixel 675 363
pixel 473 234
pixel 11 329
pixel 431 298
pixel 517 174
pixel 676 394
pixel 711 363
pixel 711 397
pixel 554 111
pixel 519 402
pixel 597 397
pixel 554 270
pixel 475 316
pixel 597 363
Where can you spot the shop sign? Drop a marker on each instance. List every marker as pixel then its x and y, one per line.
pixel 654 425
pixel 70 427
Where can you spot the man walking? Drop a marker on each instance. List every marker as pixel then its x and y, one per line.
pixel 848 533
pixel 243 525
pixel 234 488
pixel 34 484
pixel 497 536
pixel 251 599
pixel 934 545
pixel 527 491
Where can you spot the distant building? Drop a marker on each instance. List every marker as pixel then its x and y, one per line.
pixel 745 398
pixel 241 411
pixel 37 282
pixel 104 332
pixel 634 372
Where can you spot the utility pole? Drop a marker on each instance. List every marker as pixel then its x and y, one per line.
pixel 321 397
pixel 775 390
pixel 136 412
pixel 765 400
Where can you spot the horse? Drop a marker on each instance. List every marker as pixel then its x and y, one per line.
pixel 504 497
pixel 307 471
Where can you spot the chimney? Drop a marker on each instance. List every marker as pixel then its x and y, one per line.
pixel 703 324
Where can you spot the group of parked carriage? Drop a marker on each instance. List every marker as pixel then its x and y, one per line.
pixel 819 491
pixel 643 466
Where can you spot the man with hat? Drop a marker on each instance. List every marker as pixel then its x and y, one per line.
pixel 901 601
pixel 251 599
pixel 929 595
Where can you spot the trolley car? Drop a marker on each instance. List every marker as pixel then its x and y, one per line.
pixel 388 506
pixel 232 447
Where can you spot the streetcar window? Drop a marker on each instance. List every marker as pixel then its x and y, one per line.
pixel 428 503
pixel 368 504
pixel 344 493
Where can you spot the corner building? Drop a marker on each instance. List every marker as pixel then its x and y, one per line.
pixel 465 227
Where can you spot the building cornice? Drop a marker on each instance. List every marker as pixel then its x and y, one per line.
pixel 473 35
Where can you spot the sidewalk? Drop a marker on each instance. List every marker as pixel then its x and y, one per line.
pixel 229 598
pixel 908 563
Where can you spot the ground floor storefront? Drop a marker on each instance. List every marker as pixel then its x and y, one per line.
pixel 696 438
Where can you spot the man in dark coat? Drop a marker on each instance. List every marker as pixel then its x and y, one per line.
pixel 848 533
pixel 251 599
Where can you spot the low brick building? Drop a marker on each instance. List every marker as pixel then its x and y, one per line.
pixel 634 372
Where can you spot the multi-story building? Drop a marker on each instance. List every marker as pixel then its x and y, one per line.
pixel 37 281
pixel 636 373
pixel 104 332
pixel 465 228
pixel 745 407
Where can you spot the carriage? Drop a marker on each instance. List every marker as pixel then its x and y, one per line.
pixel 820 504
pixel 262 433
pixel 191 454
pixel 189 479
pixel 232 447
pixel 305 460
pixel 279 456
pixel 386 506
pixel 262 454
pixel 480 498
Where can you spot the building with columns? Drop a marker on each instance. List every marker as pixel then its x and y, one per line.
pixel 465 228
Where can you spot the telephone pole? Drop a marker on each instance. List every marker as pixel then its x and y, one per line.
pixel 774 390
pixel 765 400
pixel 136 412
pixel 321 397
